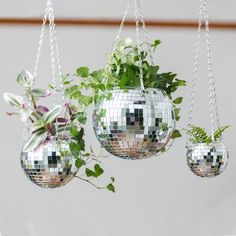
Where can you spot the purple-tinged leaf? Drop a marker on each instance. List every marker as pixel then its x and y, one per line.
pixel 68 108
pixel 12 113
pixel 62 120
pixel 42 109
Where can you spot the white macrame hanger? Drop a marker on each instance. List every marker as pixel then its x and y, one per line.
pixel 139 19
pixel 55 56
pixel 213 106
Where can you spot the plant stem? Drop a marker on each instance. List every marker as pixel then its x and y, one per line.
pixel 88 181
pixel 33 101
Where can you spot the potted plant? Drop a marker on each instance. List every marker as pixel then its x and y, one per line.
pixel 207 156
pixel 129 121
pixel 54 152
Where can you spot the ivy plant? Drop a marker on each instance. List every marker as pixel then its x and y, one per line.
pixel 123 71
pixel 64 121
pixel 199 135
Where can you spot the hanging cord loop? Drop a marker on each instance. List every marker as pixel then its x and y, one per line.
pixel 212 88
pixel 55 56
pixel 139 19
pixel 55 60
pixel 211 79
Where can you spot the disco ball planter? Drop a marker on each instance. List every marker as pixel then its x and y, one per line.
pixel 207 160
pixel 132 124
pixel 50 165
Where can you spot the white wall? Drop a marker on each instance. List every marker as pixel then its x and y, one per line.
pixel 159 196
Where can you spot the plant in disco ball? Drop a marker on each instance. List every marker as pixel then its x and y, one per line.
pixel 55 150
pixel 207 156
pixel 131 122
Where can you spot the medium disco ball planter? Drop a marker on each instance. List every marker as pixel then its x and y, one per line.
pixel 134 124
pixel 207 160
pixel 49 166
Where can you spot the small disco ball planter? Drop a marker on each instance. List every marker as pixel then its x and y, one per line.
pixel 133 124
pixel 50 165
pixel 207 160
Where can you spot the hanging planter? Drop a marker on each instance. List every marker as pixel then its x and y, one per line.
pixel 136 124
pixel 51 165
pixel 207 156
pixel 135 110
pixel 54 147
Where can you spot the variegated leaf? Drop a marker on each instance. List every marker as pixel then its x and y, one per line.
pixel 25 79
pixel 51 116
pixel 35 140
pixel 13 100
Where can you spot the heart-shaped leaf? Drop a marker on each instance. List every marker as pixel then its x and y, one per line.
pixel 51 116
pixel 35 141
pixel 25 79
pixel 13 100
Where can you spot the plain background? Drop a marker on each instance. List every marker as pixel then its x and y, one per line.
pixel 154 197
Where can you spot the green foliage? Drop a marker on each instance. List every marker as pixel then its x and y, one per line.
pixel 83 72
pixel 199 135
pixel 65 121
pixel 123 71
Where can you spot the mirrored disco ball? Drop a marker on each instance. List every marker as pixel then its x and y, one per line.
pixel 207 160
pixel 134 125
pixel 49 166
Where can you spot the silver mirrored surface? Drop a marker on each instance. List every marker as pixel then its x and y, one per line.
pixel 134 125
pixel 207 160
pixel 50 166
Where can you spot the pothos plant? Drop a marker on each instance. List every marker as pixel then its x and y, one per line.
pixel 123 71
pixel 63 121
pixel 199 135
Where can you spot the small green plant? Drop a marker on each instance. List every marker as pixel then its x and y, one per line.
pixel 199 135
pixel 63 121
pixel 123 71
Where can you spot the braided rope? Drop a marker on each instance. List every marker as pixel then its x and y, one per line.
pixel 137 20
pixel 213 106
pixel 145 31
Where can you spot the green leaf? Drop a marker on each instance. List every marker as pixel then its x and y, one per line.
pixel 98 170
pixel 155 44
pixel 35 140
pixel 176 134
pixel 13 100
pixel 177 111
pixel 111 187
pixel 51 116
pixel 79 163
pixel 178 100
pixel 83 72
pixel 81 117
pixel 25 79
pixel 90 173
pixel 112 179
pixel 40 93
pixel 74 131
pixel 219 132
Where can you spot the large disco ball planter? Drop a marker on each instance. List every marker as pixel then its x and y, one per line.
pixel 134 124
pixel 207 160
pixel 49 166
